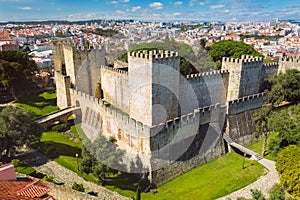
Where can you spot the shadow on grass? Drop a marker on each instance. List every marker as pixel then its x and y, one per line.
pixel 124 181
pixel 37 101
pixel 53 149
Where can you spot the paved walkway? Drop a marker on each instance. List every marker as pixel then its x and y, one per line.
pixel 57 114
pixel 42 164
pixel 263 184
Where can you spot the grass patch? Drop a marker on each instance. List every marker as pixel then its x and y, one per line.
pixel 25 169
pixel 123 183
pixel 40 104
pixel 210 181
pixel 257 147
pixel 60 148
pixel 78 132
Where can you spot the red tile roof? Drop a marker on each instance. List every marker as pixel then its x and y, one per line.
pixel 34 189
pixel 24 189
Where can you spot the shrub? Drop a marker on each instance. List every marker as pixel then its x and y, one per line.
pixel 288 164
pixel 78 186
pixel 257 195
pixel 49 179
pixel 16 162
pixel 277 193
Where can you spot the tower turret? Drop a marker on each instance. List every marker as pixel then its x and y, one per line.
pixel 153 86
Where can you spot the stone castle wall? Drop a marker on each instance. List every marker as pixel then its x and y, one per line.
pixel 269 70
pixel 194 131
pixel 210 88
pixel 240 125
pixel 245 76
pixel 127 107
pixel 114 83
pixel 99 117
pixel 63 85
pixel 288 63
pixel 153 84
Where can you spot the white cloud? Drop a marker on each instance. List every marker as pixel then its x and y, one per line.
pixel 119 12
pixel 125 1
pixel 202 3
pixel 156 5
pixel 178 3
pixel 226 11
pixel 177 14
pixel 192 2
pixel 113 2
pixel 216 6
pixel 25 8
pixel 135 8
pixel 9 0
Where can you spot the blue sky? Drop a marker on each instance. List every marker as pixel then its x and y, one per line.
pixel 209 10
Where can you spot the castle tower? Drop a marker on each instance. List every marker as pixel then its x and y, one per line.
pixel 153 86
pixel 245 76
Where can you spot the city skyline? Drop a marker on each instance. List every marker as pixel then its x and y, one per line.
pixel 204 10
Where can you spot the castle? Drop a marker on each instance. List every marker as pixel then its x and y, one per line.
pixel 170 121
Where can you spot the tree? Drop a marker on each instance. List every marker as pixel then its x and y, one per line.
pixel 16 71
pixel 288 165
pixel 262 129
pixel 17 128
pixel 286 124
pixel 102 157
pixel 192 59
pixel 286 86
pixel 230 48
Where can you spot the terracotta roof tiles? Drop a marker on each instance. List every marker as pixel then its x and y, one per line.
pixel 24 189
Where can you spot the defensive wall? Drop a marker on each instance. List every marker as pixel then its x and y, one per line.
pixel 210 87
pixel 198 134
pixel 245 76
pixel 153 81
pixel 240 125
pixel 63 85
pixel 288 63
pixel 269 70
pixel 114 84
pixel 123 103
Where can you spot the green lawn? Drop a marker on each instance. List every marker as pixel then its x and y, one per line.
pixel 62 149
pixel 210 181
pixel 257 147
pixel 40 104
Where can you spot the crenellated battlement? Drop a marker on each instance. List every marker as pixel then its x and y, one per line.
pixel 212 74
pixel 103 106
pixel 246 103
pixel 201 115
pixel 290 59
pixel 245 60
pixel 271 65
pixel 76 46
pixel 153 54
pixel 119 71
